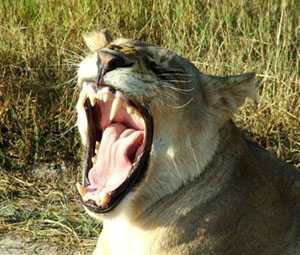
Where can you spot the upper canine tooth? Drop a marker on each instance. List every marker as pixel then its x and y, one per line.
pixel 117 103
pixel 92 97
pixel 82 96
pixel 81 189
pixel 93 102
pixel 88 91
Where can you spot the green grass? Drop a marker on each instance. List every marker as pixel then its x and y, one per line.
pixel 40 45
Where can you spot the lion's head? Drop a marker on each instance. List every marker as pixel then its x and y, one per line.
pixel 144 114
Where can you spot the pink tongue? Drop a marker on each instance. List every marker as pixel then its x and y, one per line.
pixel 119 146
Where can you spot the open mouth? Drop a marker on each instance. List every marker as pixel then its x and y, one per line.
pixel 119 138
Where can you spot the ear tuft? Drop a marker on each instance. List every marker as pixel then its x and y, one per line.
pixel 98 40
pixel 226 94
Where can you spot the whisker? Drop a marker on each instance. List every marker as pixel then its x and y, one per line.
pixel 71 62
pixel 176 168
pixel 69 81
pixel 160 104
pixel 179 106
pixel 77 47
pixel 178 89
pixel 66 132
pixel 175 74
pixel 167 95
pixel 74 54
pixel 196 161
pixel 171 86
pixel 179 81
pixel 64 65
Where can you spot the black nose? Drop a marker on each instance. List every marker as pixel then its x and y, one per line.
pixel 109 61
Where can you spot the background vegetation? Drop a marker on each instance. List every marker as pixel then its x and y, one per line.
pixel 40 46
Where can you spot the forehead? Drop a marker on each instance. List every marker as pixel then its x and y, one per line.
pixel 141 52
pixel 127 49
pixel 145 51
pixel 132 48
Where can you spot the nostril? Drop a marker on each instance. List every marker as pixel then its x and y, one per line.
pixel 116 62
pixel 110 61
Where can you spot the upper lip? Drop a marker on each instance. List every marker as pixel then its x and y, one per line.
pixel 137 170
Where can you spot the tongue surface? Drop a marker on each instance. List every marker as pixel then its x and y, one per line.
pixel 119 146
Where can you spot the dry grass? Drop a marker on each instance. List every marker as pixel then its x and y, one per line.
pixel 40 44
pixel 45 209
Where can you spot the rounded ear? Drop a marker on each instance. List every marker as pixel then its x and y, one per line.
pixel 98 40
pixel 226 94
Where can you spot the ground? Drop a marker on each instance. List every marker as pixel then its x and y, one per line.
pixel 41 213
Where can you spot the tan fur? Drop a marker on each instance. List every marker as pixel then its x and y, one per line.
pixel 206 190
pixel 96 41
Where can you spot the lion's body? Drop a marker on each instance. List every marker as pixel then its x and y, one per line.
pixel 206 190
pixel 246 203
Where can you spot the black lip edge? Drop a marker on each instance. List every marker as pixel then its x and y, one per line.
pixel 118 194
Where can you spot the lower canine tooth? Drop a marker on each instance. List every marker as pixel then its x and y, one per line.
pixel 103 199
pixel 130 109
pixel 81 189
pixel 94 160
pixel 97 146
pixel 137 115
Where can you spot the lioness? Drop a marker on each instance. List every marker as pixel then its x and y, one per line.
pixel 166 170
